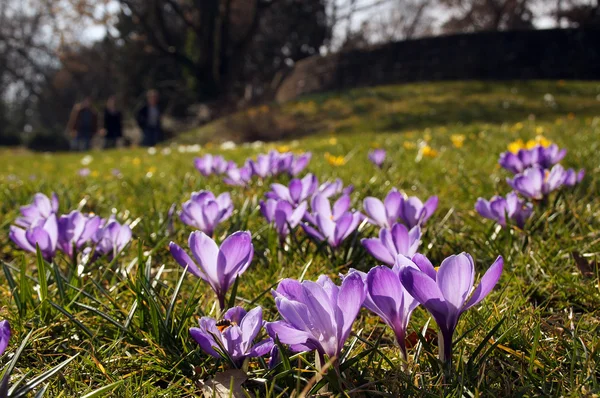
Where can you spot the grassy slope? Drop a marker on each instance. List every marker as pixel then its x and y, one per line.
pixel 549 339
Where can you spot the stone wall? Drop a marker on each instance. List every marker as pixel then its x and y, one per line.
pixel 519 55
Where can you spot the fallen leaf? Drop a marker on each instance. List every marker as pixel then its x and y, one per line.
pixel 584 266
pixel 226 384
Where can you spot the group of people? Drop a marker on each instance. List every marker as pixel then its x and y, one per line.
pixel 84 123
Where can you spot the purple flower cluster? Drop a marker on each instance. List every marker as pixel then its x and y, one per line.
pixel 233 337
pixel 283 215
pixel 537 173
pixel 265 165
pixel 544 157
pixel 204 211
pixel 298 191
pixel 331 224
pixel 397 207
pixel 377 157
pixel 536 182
pixel 501 209
pixel 318 316
pixel 39 225
pixel 213 164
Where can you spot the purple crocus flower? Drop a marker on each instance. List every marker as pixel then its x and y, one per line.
pixel 298 191
pixel 329 188
pixel 234 336
pixel 377 157
pixel 387 297
pixel 317 315
pixel 572 178
pixel 261 167
pixel 211 164
pixel 299 163
pixel 219 267
pixel 517 162
pixel 283 215
pixel 204 211
pixel 84 172
pixel 545 157
pixel 4 335
pixel 238 176
pixel 445 293
pixel 40 209
pixel 550 155
pixel 111 238
pixel 75 230
pixel 413 212
pixel 331 226
pixel 536 182
pixel 43 232
pixel 386 213
pixel 498 208
pixel 392 242
pixel 320 205
pixel 281 162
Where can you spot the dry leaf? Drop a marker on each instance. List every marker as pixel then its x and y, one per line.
pixel 584 266
pixel 226 384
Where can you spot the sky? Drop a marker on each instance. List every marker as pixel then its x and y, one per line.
pixel 365 12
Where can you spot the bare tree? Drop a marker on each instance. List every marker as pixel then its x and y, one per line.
pixel 491 15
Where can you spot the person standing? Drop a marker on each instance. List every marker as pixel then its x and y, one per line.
pixel 83 124
pixel 148 118
pixel 113 125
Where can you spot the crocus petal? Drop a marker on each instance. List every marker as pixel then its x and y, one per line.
pixel 455 279
pixel 378 250
pixel 235 314
pixel 429 208
pixel 482 207
pixel 297 215
pixel 295 190
pixel 40 237
pixel 487 283
pixel 385 291
pixel 341 206
pixel 281 191
pixel 250 326
pixel 350 299
pixel 205 340
pixel 376 211
pixel 206 252
pixel 425 265
pixel 262 348
pixel 425 291
pixel 290 289
pixel 343 228
pixel 234 257
pixel 327 227
pixel 286 333
pixel 320 205
pixel 184 260
pixel 312 232
pixel 17 235
pixel 4 335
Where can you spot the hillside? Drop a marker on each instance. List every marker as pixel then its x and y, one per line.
pixel 536 334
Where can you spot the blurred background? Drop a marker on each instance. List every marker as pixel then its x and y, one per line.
pixel 209 58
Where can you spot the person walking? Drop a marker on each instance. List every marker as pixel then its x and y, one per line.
pixel 83 124
pixel 113 125
pixel 148 118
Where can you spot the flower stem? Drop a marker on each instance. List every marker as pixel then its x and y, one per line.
pixel 445 349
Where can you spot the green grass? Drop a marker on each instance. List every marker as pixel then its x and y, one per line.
pixel 545 309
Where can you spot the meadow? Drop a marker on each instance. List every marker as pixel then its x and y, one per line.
pixel 126 320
